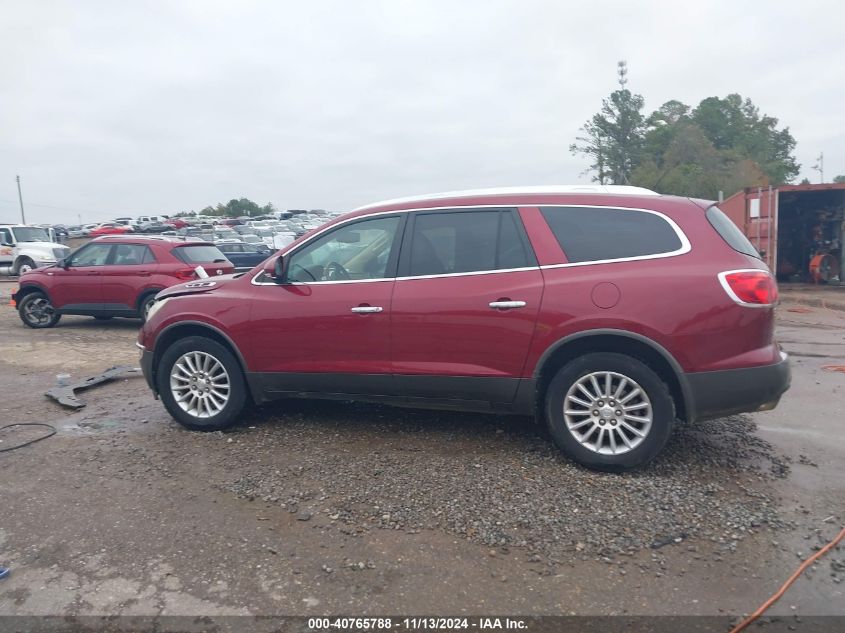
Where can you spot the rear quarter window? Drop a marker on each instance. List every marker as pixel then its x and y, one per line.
pixel 730 232
pixel 199 254
pixel 589 234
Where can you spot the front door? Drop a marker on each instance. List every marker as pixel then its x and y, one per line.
pixel 327 328
pixel 465 305
pixel 79 287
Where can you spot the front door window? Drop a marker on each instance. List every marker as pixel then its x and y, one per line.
pixel 92 255
pixel 355 251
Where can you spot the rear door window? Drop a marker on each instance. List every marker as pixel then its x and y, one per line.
pixel 466 241
pixel 132 255
pixel 590 234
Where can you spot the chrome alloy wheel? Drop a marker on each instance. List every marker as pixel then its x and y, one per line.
pixel 200 384
pixel 607 412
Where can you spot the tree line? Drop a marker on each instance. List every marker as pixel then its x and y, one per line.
pixel 236 207
pixel 722 144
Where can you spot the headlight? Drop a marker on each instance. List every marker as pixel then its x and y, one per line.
pixel 156 307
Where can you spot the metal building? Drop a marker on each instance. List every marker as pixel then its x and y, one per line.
pixel 798 229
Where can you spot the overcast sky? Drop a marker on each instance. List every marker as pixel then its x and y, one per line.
pixel 117 108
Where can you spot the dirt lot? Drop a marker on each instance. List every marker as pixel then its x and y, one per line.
pixel 313 508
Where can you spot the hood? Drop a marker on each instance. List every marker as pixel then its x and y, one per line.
pixel 42 246
pixel 196 286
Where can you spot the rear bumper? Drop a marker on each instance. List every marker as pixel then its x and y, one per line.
pixel 716 394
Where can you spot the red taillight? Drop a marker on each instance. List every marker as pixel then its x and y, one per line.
pixel 750 287
pixel 186 274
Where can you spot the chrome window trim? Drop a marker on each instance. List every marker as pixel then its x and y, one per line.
pixel 686 247
pixel 467 274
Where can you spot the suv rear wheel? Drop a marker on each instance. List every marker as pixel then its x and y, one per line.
pixel 145 304
pixel 201 384
pixel 609 411
pixel 37 312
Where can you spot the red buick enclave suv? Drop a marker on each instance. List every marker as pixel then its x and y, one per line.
pixel 609 312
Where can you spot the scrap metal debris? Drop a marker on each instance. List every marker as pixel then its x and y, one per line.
pixel 834 368
pixel 66 396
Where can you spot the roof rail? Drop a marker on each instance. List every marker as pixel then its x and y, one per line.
pixel 134 236
pixel 532 189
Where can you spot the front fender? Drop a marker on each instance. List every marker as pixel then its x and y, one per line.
pixel 27 287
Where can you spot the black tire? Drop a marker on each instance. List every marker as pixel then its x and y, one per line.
pixel 24 262
pixel 597 436
pixel 103 318
pixel 36 311
pixel 237 396
pixel 145 304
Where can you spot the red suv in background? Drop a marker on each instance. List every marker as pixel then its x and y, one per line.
pixel 115 276
pixel 610 312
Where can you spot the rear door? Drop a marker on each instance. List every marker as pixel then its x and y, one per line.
pixel 465 304
pixel 128 272
pixel 79 287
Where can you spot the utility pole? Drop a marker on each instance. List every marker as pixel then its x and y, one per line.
pixel 20 197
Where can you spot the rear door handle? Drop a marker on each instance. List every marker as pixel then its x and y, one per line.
pixel 366 309
pixel 144 273
pixel 91 274
pixel 506 304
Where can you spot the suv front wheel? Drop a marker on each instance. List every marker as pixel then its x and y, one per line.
pixel 36 311
pixel 609 411
pixel 201 384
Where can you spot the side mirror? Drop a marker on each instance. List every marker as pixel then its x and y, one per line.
pixel 277 268
pixel 63 263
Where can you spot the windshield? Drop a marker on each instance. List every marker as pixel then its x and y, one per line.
pixel 31 234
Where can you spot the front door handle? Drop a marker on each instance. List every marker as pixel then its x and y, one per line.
pixel 92 273
pixel 366 309
pixel 506 304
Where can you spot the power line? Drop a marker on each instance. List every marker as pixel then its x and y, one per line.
pixel 50 206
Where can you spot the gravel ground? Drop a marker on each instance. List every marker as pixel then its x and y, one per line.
pixel 501 482
pixel 327 507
